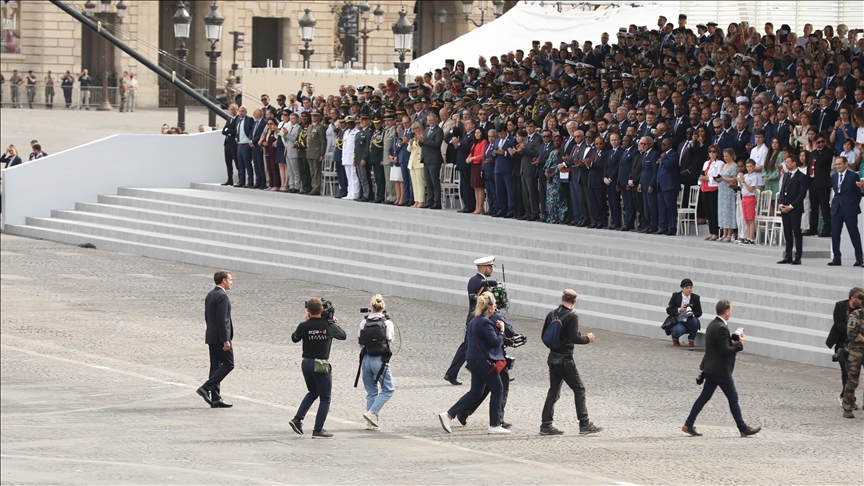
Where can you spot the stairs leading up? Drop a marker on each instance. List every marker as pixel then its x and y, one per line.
pixel 624 280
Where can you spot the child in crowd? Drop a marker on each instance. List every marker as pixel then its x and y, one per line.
pixel 748 183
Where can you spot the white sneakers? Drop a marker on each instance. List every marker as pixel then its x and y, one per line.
pixel 445 422
pixel 498 430
pixel 371 418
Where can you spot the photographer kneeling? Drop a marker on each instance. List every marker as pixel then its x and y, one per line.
pixel 375 334
pixel 686 309
pixel 485 358
pixel 317 334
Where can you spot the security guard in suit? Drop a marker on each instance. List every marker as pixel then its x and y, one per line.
pixel 476 285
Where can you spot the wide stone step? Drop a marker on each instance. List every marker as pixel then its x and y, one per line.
pixel 201 255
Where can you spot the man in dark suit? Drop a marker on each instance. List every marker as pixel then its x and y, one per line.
pixel 845 208
pixel 592 171
pixel 667 183
pixel 838 336
pixel 717 367
pixel 258 127
pixel 220 333
pixel 680 125
pixel 430 142
pixel 824 117
pixel 463 144
pixel 504 172
pixel 229 131
pixel 819 172
pixel 476 285
pixel 646 185
pixel 721 137
pixel 531 147
pixel 243 128
pixel 791 201
pixel 634 188
pixel 783 128
pixel 625 167
pixel 610 180
pixel 687 322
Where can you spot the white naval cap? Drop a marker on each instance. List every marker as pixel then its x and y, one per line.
pixel 489 260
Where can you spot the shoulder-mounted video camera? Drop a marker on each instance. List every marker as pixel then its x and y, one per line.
pixel 327 310
pixel 499 290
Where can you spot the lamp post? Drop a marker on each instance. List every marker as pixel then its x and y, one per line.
pixel 213 30
pixel 307 34
pixel 182 23
pixel 403 34
pixel 483 5
pixel 378 19
pixel 105 105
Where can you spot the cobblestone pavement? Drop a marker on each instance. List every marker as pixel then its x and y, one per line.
pixel 102 352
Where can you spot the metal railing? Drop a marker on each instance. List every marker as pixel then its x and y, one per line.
pixel 40 98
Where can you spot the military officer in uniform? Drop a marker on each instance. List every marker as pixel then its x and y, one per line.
pixel 361 159
pixel 316 146
pixel 476 285
pixel 541 107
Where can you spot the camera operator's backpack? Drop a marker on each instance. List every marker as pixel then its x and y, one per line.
pixel 552 334
pixel 374 336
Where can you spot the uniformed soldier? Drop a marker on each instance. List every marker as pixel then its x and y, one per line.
pixel 476 285
pixel 541 107
pixel 362 142
pixel 855 332
pixel 31 88
pixel 14 83
pixel 316 147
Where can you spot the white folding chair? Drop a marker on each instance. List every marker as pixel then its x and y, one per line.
pixel 450 186
pixel 687 214
pixel 329 180
pixel 763 214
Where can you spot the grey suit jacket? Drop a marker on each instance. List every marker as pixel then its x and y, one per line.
pixel 432 146
pixel 530 149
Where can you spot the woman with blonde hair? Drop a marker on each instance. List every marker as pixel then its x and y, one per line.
pixel 374 335
pixel 415 165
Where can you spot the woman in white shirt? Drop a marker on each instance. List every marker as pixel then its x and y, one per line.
pixel 710 169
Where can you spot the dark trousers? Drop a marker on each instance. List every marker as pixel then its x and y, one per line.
pixel 649 203
pixel 380 182
pixel 483 377
pixel 529 196
pixel 364 175
pixel 667 202
pixel 407 188
pixel 614 197
pixel 491 193
pixel 639 202
pixel 457 362
pixel 837 222
pixel 819 202
pixel 504 185
pixel 342 177
pixel 466 192
pixel 709 202
pixel 432 172
pixel 230 158
pixel 562 369
pixel 585 202
pixel 244 165
pixel 792 233
pixel 576 201
pixel 843 374
pixel 599 210
pixel 319 386
pixel 221 363
pixel 629 207
pixel 273 172
pixel 518 206
pixel 505 383
pixel 305 175
pixel 258 163
pixel 67 96
pixel 541 194
pixel 728 386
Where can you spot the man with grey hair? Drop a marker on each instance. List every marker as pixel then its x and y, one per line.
pixel 430 140
pixel 646 185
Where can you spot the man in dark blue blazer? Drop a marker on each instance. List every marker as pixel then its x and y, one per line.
pixel 649 193
pixel 595 164
pixel 845 208
pixel 476 285
pixel 721 137
pixel 791 201
pixel 229 131
pixel 668 183
pixel 610 180
pixel 258 127
pixel 504 172
pixel 245 177
pixel 463 145
pixel 220 333
pixel 625 167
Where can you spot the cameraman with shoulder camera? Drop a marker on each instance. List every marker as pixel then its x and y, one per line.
pixel 717 366
pixel 375 334
pixel 855 334
pixel 476 285
pixel 686 309
pixel 837 337
pixel 317 334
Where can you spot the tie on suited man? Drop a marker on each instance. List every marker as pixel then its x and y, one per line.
pixel 845 208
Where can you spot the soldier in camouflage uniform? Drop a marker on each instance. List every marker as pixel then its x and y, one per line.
pixel 855 331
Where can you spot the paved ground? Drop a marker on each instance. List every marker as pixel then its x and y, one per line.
pixel 102 352
pixel 60 129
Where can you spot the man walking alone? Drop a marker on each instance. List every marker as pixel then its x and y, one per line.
pixel 220 333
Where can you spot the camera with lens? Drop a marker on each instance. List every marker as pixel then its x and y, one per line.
pixel 515 341
pixel 700 379
pixel 327 310
pixel 499 290
pixel 688 312
pixel 736 336
pixel 367 311
pixel 841 355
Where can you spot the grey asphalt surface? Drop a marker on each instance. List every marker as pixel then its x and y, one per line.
pixel 102 353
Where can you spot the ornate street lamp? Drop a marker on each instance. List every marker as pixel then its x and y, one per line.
pixel 403 35
pixel 182 25
pixel 213 32
pixel 307 34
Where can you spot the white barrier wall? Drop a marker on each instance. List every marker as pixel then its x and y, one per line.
pixel 83 173
pixel 275 81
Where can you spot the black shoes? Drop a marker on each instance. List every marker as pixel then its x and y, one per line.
pixel 691 430
pixel 550 431
pixel 296 426
pixel 848 414
pixel 220 404
pixel 452 381
pixel 589 429
pixel 785 261
pixel 435 207
pixel 834 263
pixel 859 263
pixel 796 261
pixel 321 434
pixel 506 425
pixel 205 395
pixel 750 431
pixel 228 183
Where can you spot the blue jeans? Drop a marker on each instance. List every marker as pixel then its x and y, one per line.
pixel 728 386
pixel 690 327
pixel 319 386
pixel 375 400
pixel 244 164
pixel 481 379
pixel 504 185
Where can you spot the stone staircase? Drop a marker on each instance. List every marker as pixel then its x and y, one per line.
pixel 624 280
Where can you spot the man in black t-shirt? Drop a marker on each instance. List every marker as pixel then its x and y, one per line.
pixel 317 334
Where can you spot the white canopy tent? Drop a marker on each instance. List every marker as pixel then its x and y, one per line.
pixel 528 21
